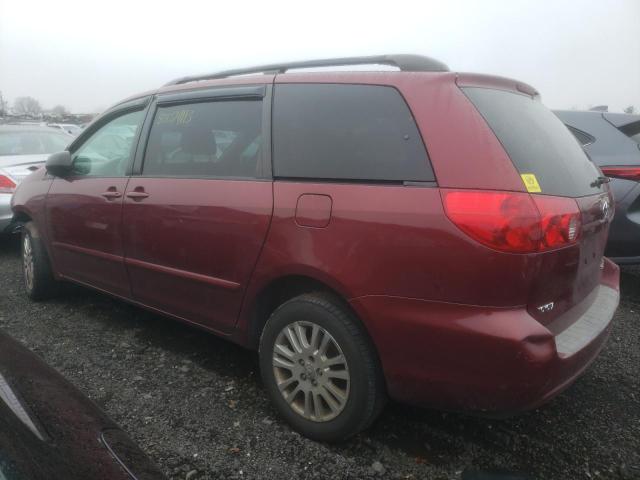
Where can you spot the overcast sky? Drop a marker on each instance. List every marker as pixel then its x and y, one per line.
pixel 87 54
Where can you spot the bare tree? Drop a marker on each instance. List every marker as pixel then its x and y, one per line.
pixel 3 106
pixel 27 106
pixel 630 109
pixel 60 110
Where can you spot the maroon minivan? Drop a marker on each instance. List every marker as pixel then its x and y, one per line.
pixel 432 236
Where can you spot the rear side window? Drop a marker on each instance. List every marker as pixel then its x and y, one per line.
pixel 632 130
pixel 208 139
pixel 537 142
pixel 346 132
pixel 583 137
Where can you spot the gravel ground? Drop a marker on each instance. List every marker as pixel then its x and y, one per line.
pixel 195 404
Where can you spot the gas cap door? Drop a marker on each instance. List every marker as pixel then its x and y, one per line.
pixel 313 210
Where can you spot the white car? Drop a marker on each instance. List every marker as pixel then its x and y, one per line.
pixel 23 149
pixel 69 128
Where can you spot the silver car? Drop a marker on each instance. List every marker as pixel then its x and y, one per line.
pixel 69 128
pixel 23 149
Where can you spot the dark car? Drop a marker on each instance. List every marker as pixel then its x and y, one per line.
pixel 613 143
pixel 434 236
pixel 49 430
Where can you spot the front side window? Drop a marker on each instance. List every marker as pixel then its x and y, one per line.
pixel 346 132
pixel 206 139
pixel 107 152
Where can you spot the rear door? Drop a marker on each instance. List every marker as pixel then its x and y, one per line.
pixel 552 163
pixel 84 209
pixel 198 208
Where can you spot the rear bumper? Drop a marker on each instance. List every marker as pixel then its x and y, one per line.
pixel 460 357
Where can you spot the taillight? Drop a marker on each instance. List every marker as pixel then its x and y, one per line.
pixel 627 173
pixel 6 184
pixel 560 222
pixel 513 221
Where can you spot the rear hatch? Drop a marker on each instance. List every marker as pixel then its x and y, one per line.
pixel 560 179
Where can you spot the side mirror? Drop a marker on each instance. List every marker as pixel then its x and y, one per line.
pixel 59 164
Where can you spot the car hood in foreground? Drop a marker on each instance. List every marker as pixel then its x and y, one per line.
pixel 49 430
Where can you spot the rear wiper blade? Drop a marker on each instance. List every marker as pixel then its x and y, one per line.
pixel 599 181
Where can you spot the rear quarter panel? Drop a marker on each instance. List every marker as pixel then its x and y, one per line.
pixel 387 241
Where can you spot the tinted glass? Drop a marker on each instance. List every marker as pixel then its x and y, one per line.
pixel 584 138
pixel 107 152
pixel 32 143
pixel 353 132
pixel 212 139
pixel 632 130
pixel 537 142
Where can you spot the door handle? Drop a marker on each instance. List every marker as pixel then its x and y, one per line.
pixel 137 195
pixel 111 194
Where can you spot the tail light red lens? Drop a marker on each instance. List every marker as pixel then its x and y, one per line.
pixel 513 221
pixel 6 184
pixel 560 222
pixel 626 173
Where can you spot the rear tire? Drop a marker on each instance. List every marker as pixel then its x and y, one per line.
pixel 320 368
pixel 37 274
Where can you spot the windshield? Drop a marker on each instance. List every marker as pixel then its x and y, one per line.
pixel 32 142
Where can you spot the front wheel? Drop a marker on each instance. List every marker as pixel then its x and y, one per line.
pixel 36 268
pixel 320 369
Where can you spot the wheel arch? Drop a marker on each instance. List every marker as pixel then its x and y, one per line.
pixel 279 290
pixel 21 217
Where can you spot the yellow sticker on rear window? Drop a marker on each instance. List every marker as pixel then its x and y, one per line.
pixel 531 182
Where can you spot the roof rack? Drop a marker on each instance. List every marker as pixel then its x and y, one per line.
pixel 406 63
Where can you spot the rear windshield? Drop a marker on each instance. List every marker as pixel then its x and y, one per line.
pixel 537 142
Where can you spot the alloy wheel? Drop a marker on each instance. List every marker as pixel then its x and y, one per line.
pixel 311 371
pixel 27 262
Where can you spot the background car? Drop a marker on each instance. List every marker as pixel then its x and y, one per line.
pixel 69 128
pixel 23 149
pixel 612 140
pixel 48 429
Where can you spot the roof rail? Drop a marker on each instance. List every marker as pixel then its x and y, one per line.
pixel 406 63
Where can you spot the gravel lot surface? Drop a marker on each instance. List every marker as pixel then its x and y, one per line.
pixel 195 404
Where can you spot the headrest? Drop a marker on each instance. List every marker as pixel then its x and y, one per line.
pixel 198 139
